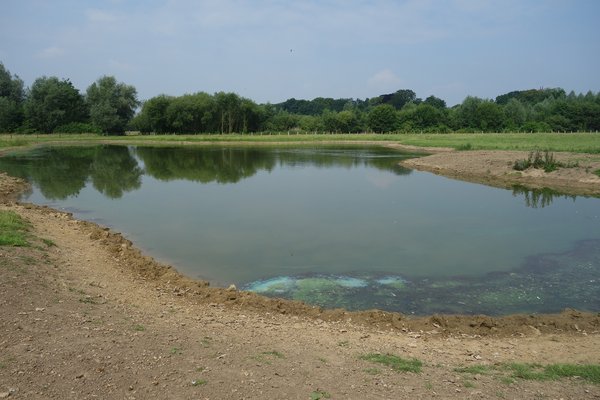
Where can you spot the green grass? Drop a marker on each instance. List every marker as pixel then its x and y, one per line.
pixel 139 328
pixel 199 382
pixel 319 394
pixel 474 369
pixel 572 142
pixel 597 172
pixel 396 363
pixel 553 372
pixel 13 229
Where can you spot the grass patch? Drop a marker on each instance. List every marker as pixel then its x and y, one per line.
pixel 396 363
pixel 597 172
pixel 473 369
pixel 13 229
pixel 571 142
pixel 266 356
pixel 139 328
pixel 175 350
pixel 464 147
pixel 48 242
pixel 319 394
pixel 554 372
pixel 199 382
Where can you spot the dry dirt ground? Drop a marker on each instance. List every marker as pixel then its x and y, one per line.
pixel 84 315
pixel 496 168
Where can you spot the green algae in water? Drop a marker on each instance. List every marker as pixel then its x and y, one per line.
pixel 544 283
pixel 392 281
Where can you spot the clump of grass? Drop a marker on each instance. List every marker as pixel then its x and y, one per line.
pixel 13 229
pixel 473 369
pixel 199 382
pixel 597 172
pixel 398 364
pixel 554 371
pixel 139 328
pixel 464 147
pixel 175 350
pixel 48 242
pixel 541 160
pixel 319 394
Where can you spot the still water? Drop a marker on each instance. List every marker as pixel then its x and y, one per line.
pixel 333 226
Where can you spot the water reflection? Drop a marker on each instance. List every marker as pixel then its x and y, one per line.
pixel 61 172
pixel 538 198
pixel 230 165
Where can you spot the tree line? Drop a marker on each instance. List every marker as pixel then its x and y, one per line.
pixel 111 107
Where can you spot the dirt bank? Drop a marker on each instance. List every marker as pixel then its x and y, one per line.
pixel 495 168
pixel 83 314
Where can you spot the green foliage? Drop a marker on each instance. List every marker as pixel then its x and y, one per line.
pixel 597 172
pixel 539 160
pixel 319 394
pixel 53 102
pixel 54 105
pixel 111 104
pixel 13 229
pixel 199 382
pixel 398 364
pixel 12 95
pixel 78 127
pixel 382 118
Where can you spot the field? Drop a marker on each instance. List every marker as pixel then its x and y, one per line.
pixel 559 142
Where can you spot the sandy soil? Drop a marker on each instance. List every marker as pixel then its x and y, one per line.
pixel 83 314
pixel 495 168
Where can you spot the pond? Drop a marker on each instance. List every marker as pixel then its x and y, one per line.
pixel 333 226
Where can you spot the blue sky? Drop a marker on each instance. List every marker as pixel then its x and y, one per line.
pixel 272 50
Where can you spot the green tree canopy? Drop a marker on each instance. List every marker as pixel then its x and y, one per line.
pixel 11 101
pixel 112 104
pixel 383 118
pixel 53 102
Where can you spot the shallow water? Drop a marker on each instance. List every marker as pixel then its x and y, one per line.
pixel 332 226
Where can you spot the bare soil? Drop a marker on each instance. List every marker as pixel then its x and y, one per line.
pixel 83 314
pixel 495 168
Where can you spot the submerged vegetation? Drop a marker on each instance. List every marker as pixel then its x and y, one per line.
pixel 530 288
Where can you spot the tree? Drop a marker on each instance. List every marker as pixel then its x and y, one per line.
pixel 111 104
pixel 435 102
pixel 11 101
pixel 53 102
pixel 382 118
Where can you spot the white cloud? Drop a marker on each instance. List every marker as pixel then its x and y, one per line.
pixel 51 52
pixel 384 80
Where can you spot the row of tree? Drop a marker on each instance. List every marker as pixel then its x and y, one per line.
pixel 108 106
pixel 55 105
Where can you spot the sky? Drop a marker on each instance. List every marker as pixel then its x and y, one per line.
pixel 272 50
